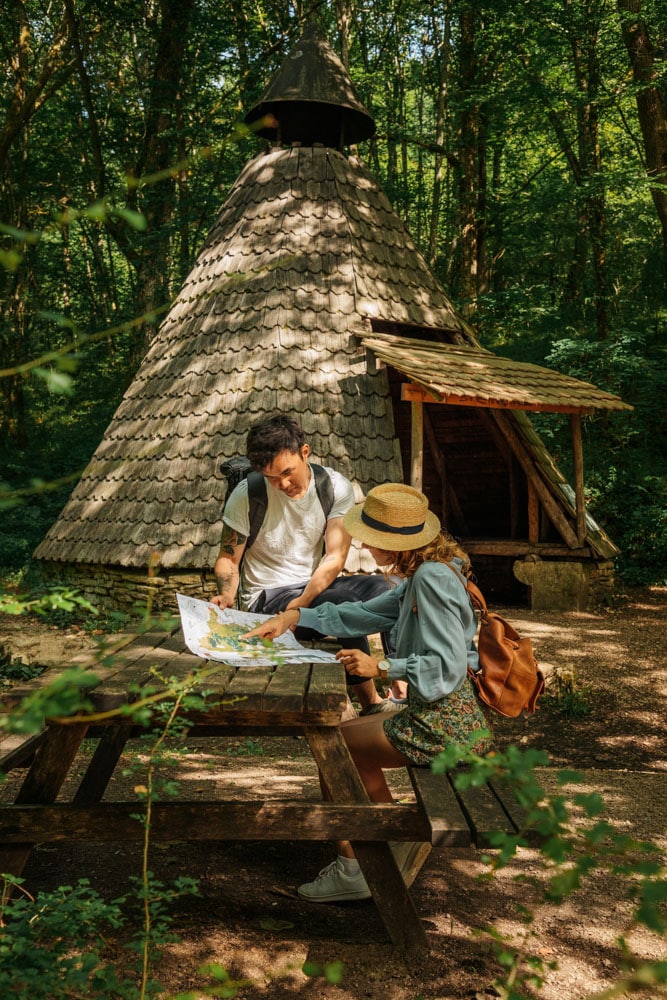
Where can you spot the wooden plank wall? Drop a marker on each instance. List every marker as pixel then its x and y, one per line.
pixel 483 479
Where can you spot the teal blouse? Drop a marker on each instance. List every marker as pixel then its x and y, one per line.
pixel 432 623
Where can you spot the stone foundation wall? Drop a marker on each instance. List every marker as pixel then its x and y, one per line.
pixel 554 585
pixel 602 582
pixel 565 585
pixel 119 588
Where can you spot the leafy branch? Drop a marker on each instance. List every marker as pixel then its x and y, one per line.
pixel 570 851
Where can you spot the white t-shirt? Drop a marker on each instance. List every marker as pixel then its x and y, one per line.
pixel 289 545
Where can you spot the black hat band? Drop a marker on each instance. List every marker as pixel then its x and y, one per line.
pixel 389 528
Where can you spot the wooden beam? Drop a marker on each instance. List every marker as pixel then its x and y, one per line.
pixel 578 455
pixel 412 392
pixel 441 469
pixel 516 548
pixel 417 444
pixel 514 497
pixel 417 395
pixel 268 819
pixel 544 493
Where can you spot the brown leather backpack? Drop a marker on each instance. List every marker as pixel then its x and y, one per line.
pixel 508 680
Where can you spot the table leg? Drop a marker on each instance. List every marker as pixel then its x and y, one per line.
pixel 343 784
pixel 98 774
pixel 53 759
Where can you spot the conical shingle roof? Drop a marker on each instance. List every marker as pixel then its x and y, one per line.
pixel 305 249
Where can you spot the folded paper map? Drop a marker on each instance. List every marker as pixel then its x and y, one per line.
pixel 215 633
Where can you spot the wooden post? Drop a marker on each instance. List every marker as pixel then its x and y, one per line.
pixel 441 468
pixel 578 456
pixel 533 514
pixel 417 444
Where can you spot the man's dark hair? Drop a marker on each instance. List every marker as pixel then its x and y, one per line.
pixel 268 438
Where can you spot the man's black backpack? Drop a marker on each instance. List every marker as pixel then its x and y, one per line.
pixel 237 469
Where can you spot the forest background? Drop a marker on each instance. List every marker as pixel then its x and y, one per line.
pixel 523 144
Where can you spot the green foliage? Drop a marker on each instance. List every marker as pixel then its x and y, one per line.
pixel 93 620
pixel 72 277
pixel 17 670
pixel 222 986
pixel 56 945
pixel 633 507
pixel 331 972
pixel 55 599
pixel 625 460
pixel 53 945
pixel 64 696
pixel 248 748
pixel 90 201
pixel 567 694
pixel 575 841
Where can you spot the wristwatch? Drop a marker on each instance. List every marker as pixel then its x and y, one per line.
pixel 383 667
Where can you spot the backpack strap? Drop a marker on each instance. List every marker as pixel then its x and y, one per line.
pixel 257 503
pixel 258 499
pixel 324 487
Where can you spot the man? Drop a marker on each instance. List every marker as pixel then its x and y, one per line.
pixel 298 553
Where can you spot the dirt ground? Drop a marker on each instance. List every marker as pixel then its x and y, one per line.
pixel 248 918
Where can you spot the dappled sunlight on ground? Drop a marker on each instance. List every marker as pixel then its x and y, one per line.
pixel 248 917
pixel 635 802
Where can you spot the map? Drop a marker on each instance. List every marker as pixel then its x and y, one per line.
pixel 215 633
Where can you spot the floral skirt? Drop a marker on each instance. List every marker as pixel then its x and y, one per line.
pixel 423 729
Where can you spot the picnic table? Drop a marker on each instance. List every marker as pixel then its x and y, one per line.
pixel 287 699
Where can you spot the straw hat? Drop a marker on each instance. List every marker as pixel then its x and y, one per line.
pixel 393 517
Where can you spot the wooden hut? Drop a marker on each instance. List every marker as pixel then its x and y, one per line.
pixel 310 297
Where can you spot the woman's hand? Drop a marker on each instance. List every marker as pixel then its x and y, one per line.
pixel 357 662
pixel 274 627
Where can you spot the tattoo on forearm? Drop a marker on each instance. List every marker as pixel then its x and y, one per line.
pixel 224 583
pixel 230 540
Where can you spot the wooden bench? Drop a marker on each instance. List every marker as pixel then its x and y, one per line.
pixel 466 818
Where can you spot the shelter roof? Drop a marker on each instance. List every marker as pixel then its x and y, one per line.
pixel 471 376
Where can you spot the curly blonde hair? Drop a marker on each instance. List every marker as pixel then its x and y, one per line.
pixel 443 548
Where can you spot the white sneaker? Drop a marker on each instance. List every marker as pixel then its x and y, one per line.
pixel 333 885
pixel 386 705
pixel 410 857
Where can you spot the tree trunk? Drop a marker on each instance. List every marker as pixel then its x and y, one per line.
pixel 31 81
pixel 157 156
pixel 344 17
pixel 472 173
pixel 651 108
pixel 442 69
pixel 587 71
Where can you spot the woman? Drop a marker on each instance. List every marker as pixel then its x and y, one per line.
pixel 433 628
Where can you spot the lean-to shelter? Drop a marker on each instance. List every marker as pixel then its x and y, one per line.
pixel 310 297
